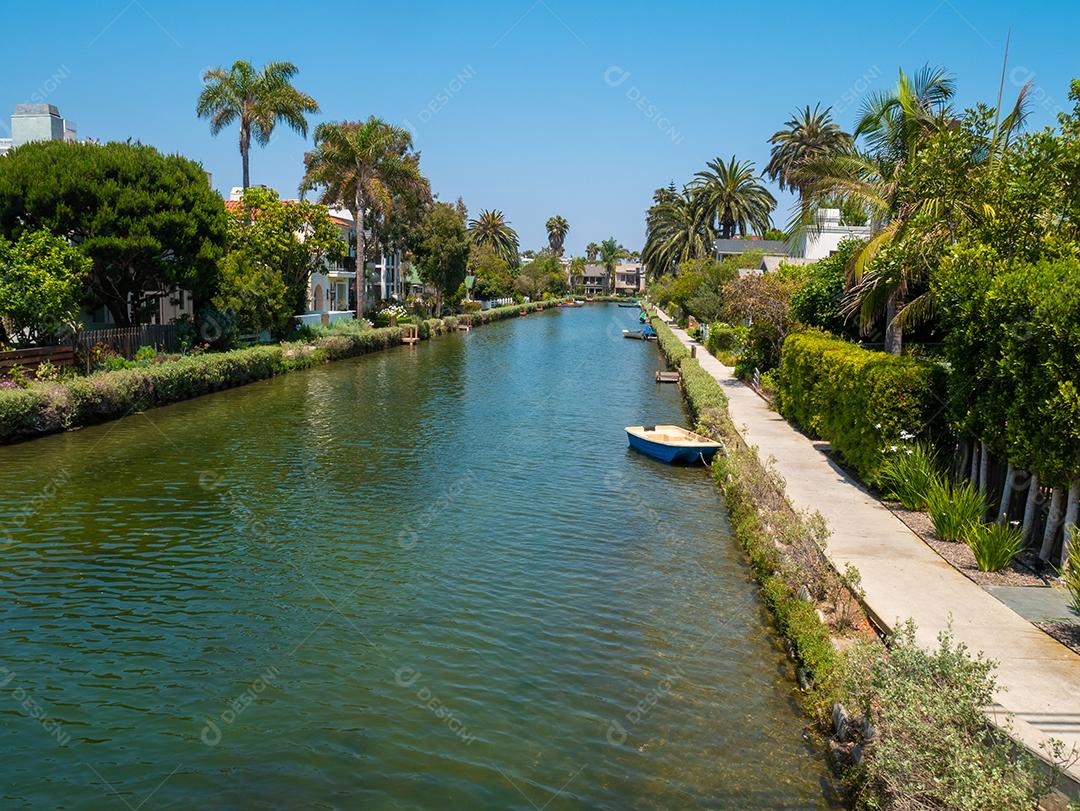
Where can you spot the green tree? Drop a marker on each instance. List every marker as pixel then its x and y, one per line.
pixel 292 239
pixel 361 166
pixel 542 275
pixel 818 301
pixel 733 198
pixel 806 135
pixel 255 295
pixel 557 228
pixel 491 230
pixel 677 229
pixel 41 285
pixel 150 223
pixel 257 100
pixel 610 254
pixel 591 251
pixel 442 252
pixel 493 277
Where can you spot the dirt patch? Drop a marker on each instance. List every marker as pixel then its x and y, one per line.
pixel 1067 633
pixel 960 556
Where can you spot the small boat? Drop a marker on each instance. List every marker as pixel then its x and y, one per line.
pixel 634 305
pixel 671 443
pixel 643 334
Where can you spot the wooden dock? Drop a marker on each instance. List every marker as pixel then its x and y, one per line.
pixel 667 377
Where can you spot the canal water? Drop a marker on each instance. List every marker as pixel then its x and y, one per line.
pixel 426 578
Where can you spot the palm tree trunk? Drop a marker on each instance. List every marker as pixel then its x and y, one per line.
pixel 894 333
pixel 361 263
pixel 1072 512
pixel 245 149
pixel 1053 521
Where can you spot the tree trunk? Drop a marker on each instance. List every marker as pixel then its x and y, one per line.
pixel 894 333
pixel 1072 513
pixel 1006 496
pixel 1053 521
pixel 361 259
pixel 973 474
pixel 1031 507
pixel 984 467
pixel 245 149
pixel 961 469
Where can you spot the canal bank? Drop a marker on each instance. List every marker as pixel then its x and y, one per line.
pixel 1036 701
pixel 416 579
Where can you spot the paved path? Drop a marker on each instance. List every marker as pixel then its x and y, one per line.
pixel 903 577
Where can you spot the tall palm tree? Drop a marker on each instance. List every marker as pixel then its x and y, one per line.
pixel 257 99
pixel 361 166
pixel 591 251
pixel 610 254
pixel 806 135
pixel 734 197
pixel 677 230
pixel 492 230
pixel 557 228
pixel 886 179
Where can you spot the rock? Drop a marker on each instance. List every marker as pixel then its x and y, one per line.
pixel 821 616
pixel 868 731
pixel 857 754
pixel 804 594
pixel 803 678
pixel 841 722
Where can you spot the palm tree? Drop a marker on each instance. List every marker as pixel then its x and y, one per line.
pixel 491 230
pixel 610 253
pixel 257 99
pixel 361 166
pixel 557 227
pixel 591 250
pixel 806 135
pixel 734 197
pixel 677 230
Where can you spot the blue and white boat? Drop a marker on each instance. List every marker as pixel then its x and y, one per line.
pixel 671 443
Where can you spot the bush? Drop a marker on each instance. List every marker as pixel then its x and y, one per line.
pixel 932 746
pixel 855 398
pixel 957 512
pixel 995 545
pixel 671 346
pixel 725 338
pixel 1070 572
pixel 907 474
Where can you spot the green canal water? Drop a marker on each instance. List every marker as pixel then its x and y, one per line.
pixel 426 578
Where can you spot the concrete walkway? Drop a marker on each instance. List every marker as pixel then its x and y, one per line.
pixel 1038 677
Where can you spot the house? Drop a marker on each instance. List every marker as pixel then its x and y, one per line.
pixel 37 122
pixel 737 247
pixel 629 278
pixel 594 279
pixel 825 238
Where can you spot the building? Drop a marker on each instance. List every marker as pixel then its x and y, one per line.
pixel 593 279
pixel 37 122
pixel 726 248
pixel 825 238
pixel 629 278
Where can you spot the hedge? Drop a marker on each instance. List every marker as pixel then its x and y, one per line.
pixel 857 399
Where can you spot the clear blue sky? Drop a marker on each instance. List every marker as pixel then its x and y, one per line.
pixel 546 117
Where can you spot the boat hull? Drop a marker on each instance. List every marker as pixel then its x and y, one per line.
pixel 672 454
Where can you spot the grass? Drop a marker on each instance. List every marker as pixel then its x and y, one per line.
pixel 957 512
pixel 907 475
pixel 995 545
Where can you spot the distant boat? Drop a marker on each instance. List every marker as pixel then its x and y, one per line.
pixel 634 305
pixel 671 443
pixel 643 334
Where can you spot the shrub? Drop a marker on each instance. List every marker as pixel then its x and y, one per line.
pixel 957 512
pixel 671 346
pixel 725 338
pixel 1070 572
pixel 853 397
pixel 907 474
pixel 931 746
pixel 995 545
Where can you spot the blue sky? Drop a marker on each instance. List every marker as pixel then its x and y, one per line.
pixel 534 107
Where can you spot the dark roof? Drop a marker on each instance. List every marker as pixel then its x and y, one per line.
pixel 772 247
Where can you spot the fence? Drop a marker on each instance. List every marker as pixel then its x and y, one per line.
pixel 32 357
pixel 127 340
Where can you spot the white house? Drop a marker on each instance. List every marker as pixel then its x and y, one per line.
pixel 824 240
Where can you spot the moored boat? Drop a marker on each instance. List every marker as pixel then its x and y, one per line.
pixel 671 443
pixel 633 304
pixel 644 334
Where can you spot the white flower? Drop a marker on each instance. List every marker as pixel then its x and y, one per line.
pixel 905 435
pixel 893 448
pixel 910 451
pixel 878 425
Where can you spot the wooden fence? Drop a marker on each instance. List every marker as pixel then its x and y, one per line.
pixel 127 340
pixel 32 357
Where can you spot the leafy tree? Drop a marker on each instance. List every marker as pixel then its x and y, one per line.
pixel 442 253
pixel 493 277
pixel 542 275
pixel 254 295
pixel 41 285
pixel 557 228
pixel 290 238
pixel 733 198
pixel 361 166
pixel 491 230
pixel 818 301
pixel 257 99
pixel 806 135
pixel 150 223
pixel 591 251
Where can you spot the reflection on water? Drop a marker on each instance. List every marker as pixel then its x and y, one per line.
pixel 425 578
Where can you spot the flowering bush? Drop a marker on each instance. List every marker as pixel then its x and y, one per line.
pixel 389 314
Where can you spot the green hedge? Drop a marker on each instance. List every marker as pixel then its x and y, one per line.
pixel 856 399
pixel 46 408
